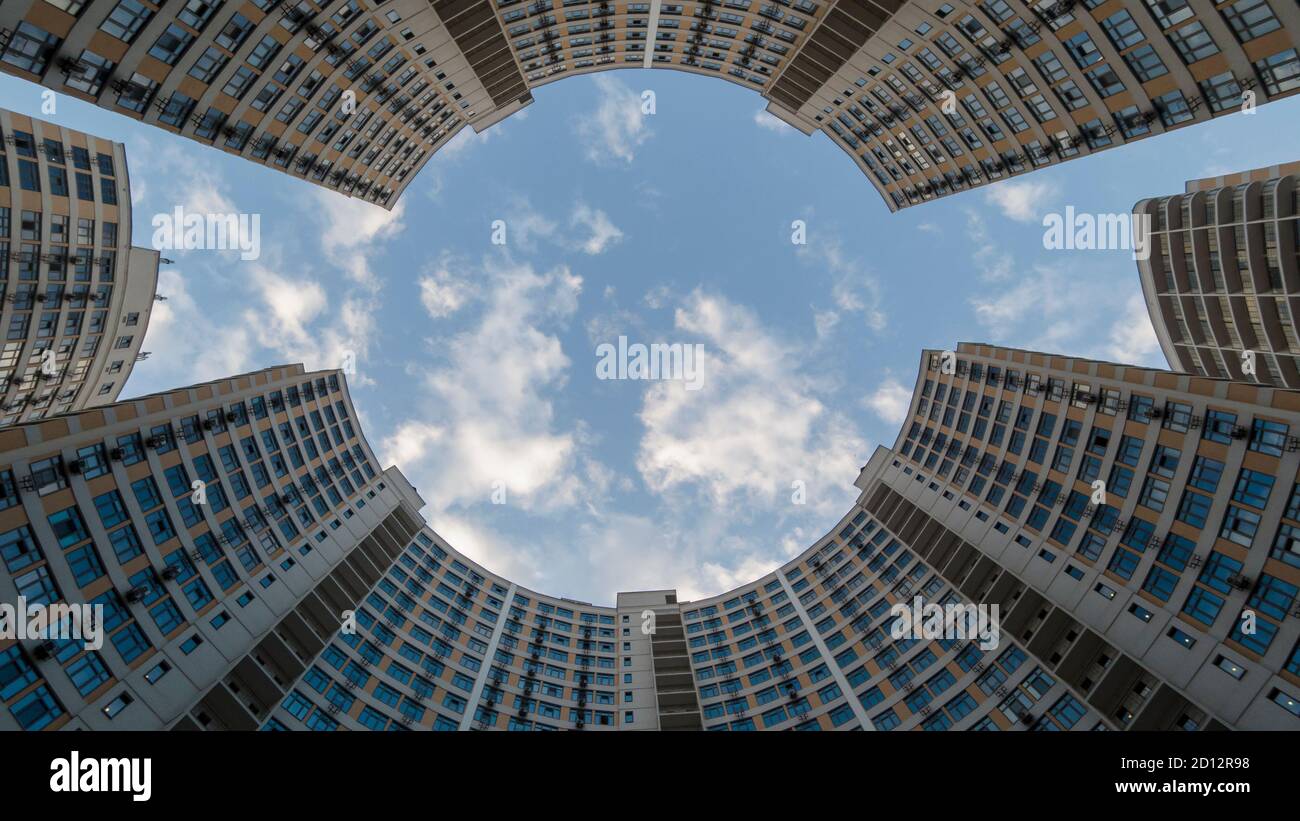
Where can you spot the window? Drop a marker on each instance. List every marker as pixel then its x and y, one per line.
pixel 1268 437
pixel 1253 488
pixel 1280 72
pixel 1222 91
pixel 1122 30
pixel 1250 19
pixel 1168 12
pixel 171 44
pixel 1193 43
pixel 1239 526
pixel 1173 108
pixel 30 48
pixel 233 33
pixel 126 20
pixel 1081 48
pixel 208 65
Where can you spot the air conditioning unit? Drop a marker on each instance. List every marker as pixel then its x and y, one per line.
pixel 117 454
pixel 76 466
pixel 1155 413
pixel 136 594
pixel 44 650
pixel 209 424
pixel 171 572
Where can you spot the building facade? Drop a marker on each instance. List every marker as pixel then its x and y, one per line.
pixel 1166 602
pixel 76 297
pixel 221 527
pixel 1222 281
pixel 1124 614
pixel 928 97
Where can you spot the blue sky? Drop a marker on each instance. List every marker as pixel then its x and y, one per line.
pixel 476 362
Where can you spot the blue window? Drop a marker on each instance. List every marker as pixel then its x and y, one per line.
pixel 1252 488
pixel 1239 525
pixel 88 673
pixel 68 527
pixel 841 715
pixel 296 705
pixel 146 493
pixel 1194 508
pixel 85 565
pixel 1160 583
pixel 37 710
pixel 126 543
pixel 887 720
pixel 16 672
pixel 1268 437
pixel 1067 710
pixel 1203 605
pixel 961 706
pixel 1205 473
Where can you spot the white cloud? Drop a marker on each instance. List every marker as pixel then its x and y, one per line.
pixel 890 401
pixel 489 415
pixel 994 264
pixel 1042 297
pixel 1132 338
pixel 187 344
pixel 526 225
pixel 617 128
pixel 443 293
pixel 467 138
pixel 657 297
pixel 292 320
pixel 350 223
pixel 1020 200
pixel 854 288
pixel 604 233
pixel 825 322
pixel 756 425
pixel 1068 308
pixel 770 122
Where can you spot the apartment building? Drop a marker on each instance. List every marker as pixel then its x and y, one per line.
pixel 221 527
pixel 1136 525
pixel 1124 611
pixel 1222 282
pixel 76 296
pixel 928 97
pixel 1135 528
